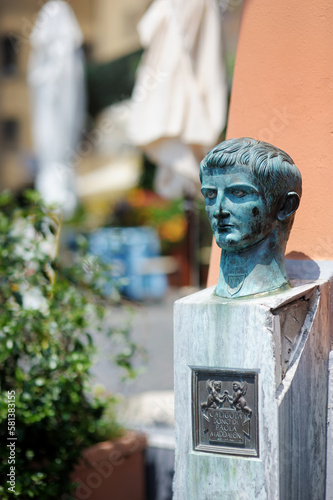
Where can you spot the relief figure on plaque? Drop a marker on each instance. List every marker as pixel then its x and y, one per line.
pixel 215 398
pixel 252 191
pixel 238 397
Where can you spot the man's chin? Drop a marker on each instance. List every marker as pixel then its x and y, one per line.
pixel 229 245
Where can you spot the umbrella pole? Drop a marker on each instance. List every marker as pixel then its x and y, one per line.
pixel 192 216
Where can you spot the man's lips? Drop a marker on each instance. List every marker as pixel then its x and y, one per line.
pixel 224 226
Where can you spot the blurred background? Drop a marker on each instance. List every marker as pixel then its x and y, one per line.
pixel 107 108
pixel 99 173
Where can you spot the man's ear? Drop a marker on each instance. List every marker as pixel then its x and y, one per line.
pixel 287 206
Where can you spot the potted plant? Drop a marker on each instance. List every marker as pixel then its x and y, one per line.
pixel 48 411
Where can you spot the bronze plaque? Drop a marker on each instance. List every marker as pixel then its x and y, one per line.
pixel 225 411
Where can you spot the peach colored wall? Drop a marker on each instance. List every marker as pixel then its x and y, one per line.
pixel 283 93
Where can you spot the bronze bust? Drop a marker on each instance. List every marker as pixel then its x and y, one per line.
pixel 252 191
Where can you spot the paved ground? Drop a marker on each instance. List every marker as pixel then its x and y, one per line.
pixel 153 328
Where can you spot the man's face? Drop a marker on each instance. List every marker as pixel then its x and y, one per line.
pixel 235 207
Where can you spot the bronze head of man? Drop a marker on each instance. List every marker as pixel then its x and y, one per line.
pixel 252 191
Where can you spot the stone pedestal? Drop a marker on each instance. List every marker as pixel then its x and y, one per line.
pixel 251 395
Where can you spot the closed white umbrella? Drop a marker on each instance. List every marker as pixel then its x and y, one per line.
pixel 56 79
pixel 179 101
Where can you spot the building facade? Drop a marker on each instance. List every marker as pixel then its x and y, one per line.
pixel 109 29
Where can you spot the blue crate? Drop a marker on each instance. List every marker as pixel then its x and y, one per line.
pixel 129 250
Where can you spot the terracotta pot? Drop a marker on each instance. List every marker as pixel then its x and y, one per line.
pixel 112 470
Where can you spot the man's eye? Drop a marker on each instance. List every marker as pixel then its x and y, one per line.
pixel 211 194
pixel 239 193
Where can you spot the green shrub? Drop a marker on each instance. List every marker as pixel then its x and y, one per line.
pixel 47 350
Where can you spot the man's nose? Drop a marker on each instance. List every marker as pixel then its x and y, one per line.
pixel 221 212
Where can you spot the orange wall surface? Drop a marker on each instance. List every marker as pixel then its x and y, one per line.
pixel 283 94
